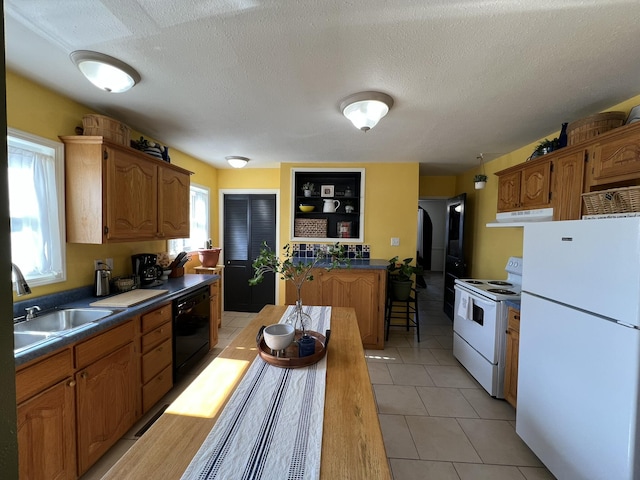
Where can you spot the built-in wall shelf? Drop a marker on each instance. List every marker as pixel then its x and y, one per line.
pixel 341 189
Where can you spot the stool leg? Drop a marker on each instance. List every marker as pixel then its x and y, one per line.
pixel 417 319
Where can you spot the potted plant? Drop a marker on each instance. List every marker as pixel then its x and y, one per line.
pixel 348 206
pixel 544 147
pixel 400 277
pixel 307 188
pixel 480 181
pixel 297 271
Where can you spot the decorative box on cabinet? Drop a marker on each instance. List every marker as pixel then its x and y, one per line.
pixel 346 185
pixel 45 394
pixel 362 289
pixel 511 364
pixel 115 193
pixel 156 372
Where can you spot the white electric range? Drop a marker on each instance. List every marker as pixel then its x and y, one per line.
pixel 480 323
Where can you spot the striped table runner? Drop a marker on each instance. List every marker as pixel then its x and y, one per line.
pixel 271 429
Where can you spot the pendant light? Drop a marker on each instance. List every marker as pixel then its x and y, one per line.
pixel 237 162
pixel 105 72
pixel 365 109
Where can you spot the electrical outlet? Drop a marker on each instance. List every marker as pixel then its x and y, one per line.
pixel 109 262
pixel 95 264
pixel 395 241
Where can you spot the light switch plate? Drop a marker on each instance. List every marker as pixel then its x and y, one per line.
pixel 395 241
pixel 95 264
pixel 109 262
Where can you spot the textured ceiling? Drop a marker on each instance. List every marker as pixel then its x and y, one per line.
pixel 263 78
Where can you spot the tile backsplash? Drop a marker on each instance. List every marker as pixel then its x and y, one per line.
pixel 308 250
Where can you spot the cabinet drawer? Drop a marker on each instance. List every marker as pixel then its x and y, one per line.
pixel 35 378
pixel 156 318
pixel 156 336
pixel 104 343
pixel 157 359
pixel 156 388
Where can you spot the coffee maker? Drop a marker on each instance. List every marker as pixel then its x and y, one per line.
pixel 145 269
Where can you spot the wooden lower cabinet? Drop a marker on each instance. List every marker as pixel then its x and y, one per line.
pixel 156 374
pixel 46 419
pixel 362 289
pixel 106 404
pixel 511 364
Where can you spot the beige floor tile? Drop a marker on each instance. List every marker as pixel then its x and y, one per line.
pixel 388 355
pixel 437 330
pixel 428 341
pixel 442 439
pixel 227 332
pixel 445 340
pixel 397 341
pixel 533 473
pixel 444 356
pixel 103 465
pixel 397 438
pixel 469 471
pixel 379 373
pixel 422 356
pixel 398 400
pixel 446 402
pixel 489 407
pixel 497 443
pixel 422 470
pixel 452 376
pixel 406 374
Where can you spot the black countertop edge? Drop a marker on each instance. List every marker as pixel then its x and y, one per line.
pixel 176 287
pixel 364 263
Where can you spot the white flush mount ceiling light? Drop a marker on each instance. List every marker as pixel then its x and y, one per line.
pixel 365 109
pixel 105 72
pixel 237 162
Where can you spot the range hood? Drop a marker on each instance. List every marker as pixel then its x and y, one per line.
pixel 522 217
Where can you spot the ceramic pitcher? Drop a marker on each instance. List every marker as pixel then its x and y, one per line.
pixel 330 206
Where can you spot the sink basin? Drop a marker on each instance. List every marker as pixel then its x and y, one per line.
pixel 61 320
pixel 22 340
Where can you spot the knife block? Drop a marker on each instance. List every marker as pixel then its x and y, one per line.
pixel 177 272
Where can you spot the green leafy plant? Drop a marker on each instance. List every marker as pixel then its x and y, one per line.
pixel 480 178
pixel 297 271
pixel 402 271
pixel 544 147
pixel 308 186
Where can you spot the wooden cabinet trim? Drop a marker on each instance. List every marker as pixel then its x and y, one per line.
pixel 35 377
pixel 103 343
pixel 153 319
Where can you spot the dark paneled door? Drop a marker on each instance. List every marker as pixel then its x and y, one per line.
pixel 249 220
pixel 454 264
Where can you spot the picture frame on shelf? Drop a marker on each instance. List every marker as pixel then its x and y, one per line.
pixel 327 190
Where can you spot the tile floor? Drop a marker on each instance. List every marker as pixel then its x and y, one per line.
pixel 437 422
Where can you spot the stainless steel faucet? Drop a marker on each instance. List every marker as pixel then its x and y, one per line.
pixel 31 312
pixel 22 287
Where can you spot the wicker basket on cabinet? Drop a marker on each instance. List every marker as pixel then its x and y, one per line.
pixel 615 200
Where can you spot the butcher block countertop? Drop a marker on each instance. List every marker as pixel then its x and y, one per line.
pixel 352 445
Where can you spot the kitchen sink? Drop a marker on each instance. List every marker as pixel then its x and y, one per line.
pixel 61 320
pixel 22 340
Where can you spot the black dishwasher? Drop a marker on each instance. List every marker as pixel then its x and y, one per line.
pixel 191 324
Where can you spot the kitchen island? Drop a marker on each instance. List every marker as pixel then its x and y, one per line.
pixel 352 445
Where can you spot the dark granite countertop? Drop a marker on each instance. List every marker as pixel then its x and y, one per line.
pixel 363 263
pixel 82 297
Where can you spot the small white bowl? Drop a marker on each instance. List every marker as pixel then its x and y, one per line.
pixel 278 336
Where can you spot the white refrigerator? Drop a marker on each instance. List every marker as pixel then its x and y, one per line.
pixel 579 358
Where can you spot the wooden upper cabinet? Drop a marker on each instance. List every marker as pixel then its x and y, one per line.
pixel 567 188
pixel 525 186
pixel 616 156
pixel 116 194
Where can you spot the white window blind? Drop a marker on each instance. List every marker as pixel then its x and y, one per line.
pixel 36 204
pixel 199 217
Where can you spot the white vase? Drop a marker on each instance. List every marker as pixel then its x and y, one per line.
pixel 307 193
pixel 480 185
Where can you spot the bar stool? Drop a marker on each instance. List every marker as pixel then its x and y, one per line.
pixel 406 310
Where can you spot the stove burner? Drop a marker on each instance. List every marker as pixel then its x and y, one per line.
pixel 501 291
pixel 500 282
pixel 473 282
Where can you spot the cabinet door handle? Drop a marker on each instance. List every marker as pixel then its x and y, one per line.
pixel 84 375
pixel 517 317
pixel 72 383
pixel 507 332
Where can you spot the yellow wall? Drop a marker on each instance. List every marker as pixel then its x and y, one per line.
pixel 434 187
pixel 37 110
pixel 490 248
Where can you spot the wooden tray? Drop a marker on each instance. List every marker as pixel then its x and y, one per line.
pixel 291 358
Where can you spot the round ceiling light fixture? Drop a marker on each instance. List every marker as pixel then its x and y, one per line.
pixel 237 162
pixel 365 109
pixel 105 72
